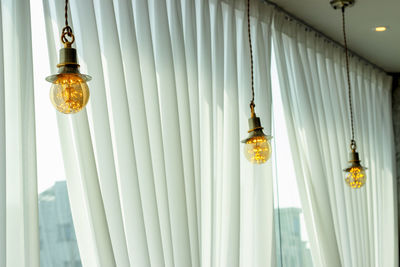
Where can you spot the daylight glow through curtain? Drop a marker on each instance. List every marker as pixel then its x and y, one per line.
pixel 19 230
pixel 154 167
pixel 350 228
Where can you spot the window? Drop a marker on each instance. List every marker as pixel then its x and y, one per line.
pixel 57 235
pixel 66 232
pixel 73 264
pixel 292 246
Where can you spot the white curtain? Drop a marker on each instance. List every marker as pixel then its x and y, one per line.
pixel 154 165
pixel 19 238
pixel 350 228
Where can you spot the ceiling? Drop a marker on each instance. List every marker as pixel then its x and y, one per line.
pixel 380 48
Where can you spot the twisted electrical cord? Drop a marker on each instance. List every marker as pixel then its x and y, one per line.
pixel 252 105
pixel 67 30
pixel 66 13
pixel 348 77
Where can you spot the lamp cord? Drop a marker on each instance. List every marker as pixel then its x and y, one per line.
pixel 66 13
pixel 67 30
pixel 252 105
pixel 353 142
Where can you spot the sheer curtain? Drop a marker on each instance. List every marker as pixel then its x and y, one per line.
pixel 352 228
pixel 19 239
pixel 154 166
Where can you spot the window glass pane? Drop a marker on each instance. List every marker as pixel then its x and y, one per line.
pixel 58 246
pixel 292 245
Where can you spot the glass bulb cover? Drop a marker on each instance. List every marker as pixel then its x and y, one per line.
pixel 69 93
pixel 355 176
pixel 257 149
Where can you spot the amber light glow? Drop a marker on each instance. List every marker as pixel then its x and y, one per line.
pixel 380 29
pixel 355 177
pixel 257 150
pixel 69 93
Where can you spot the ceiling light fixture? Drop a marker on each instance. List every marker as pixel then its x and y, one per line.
pixel 69 92
pixel 380 28
pixel 355 175
pixel 257 147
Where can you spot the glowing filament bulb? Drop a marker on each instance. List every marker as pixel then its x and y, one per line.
pixel 355 177
pixel 257 149
pixel 69 93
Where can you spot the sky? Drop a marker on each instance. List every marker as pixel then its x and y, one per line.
pixel 287 185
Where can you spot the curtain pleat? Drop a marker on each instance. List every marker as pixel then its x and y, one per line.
pixel 19 229
pixel 154 166
pixel 140 134
pixel 346 227
pixel 3 155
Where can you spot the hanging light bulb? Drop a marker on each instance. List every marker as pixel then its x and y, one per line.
pixel 355 175
pixel 257 148
pixel 69 92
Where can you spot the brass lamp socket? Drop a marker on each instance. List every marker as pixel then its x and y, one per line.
pixel 354 161
pixel 68 65
pixel 255 129
pixel 354 157
pixel 338 4
pixel 68 56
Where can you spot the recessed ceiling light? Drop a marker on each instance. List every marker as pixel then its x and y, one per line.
pixel 380 28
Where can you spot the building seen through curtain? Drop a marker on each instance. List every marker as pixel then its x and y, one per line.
pixel 58 245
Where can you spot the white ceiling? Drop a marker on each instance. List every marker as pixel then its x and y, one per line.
pixel 380 48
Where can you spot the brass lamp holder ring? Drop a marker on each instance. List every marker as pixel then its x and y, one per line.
pixel 67 64
pixel 338 4
pixel 67 31
pixel 255 129
pixel 353 145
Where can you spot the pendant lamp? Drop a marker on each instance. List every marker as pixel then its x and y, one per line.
pixel 69 92
pixel 355 175
pixel 257 148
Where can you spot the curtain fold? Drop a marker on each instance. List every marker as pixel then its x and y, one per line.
pixel 154 166
pixel 346 227
pixel 3 203
pixel 19 229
